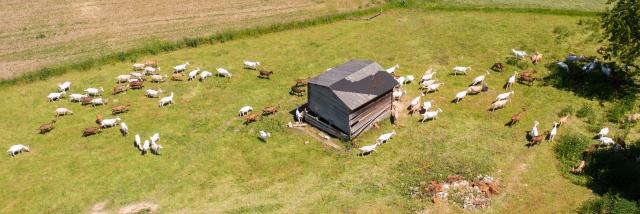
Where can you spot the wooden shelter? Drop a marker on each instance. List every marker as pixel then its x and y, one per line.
pixel 346 100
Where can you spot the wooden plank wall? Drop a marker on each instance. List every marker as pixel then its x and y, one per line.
pixel 316 122
pixel 324 103
pixel 369 113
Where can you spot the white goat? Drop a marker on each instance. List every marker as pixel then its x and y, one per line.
pixel 64 86
pixel 499 104
pixel 137 75
pixel 426 105
pixel 138 66
pixel 369 148
pixel 401 80
pixel 17 149
pixel 98 101
pixel 299 115
pixel 385 137
pixel 430 115
pixel 194 73
pixel 264 135
pixel 427 76
pixel 603 132
pixel 63 111
pixel 461 70
pixel 155 148
pixel 479 79
pixel 460 96
pixel 398 93
pixel 180 68
pixel 245 110
pixel 408 79
pixel 511 80
pixel 553 131
pixel 77 97
pixel 106 123
pixel 145 147
pixel 94 91
pixel 158 78
pixel 519 54
pixel 55 96
pixel 123 78
pixel 534 130
pixel 223 72
pixel 124 129
pixel 150 70
pixel 166 100
pixel 205 74
pixel 392 69
pixel 504 96
pixel 155 137
pixel 433 87
pixel 415 101
pixel 153 93
pixel 138 142
pixel 251 65
pixel 606 141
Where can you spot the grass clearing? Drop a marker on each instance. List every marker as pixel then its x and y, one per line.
pixel 212 163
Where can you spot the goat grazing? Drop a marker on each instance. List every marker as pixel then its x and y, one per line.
pixel 504 96
pixel 385 137
pixel 158 78
pixel 64 86
pixel 499 104
pixel 166 100
pixel 476 89
pixel 264 135
pixel 151 70
pixel 120 109
pixel 392 69
pixel 553 131
pixel 204 75
pixel 17 149
pixel 534 130
pixel 563 120
pixel 270 110
pixel 461 70
pixel 145 147
pixel 479 79
pixel 265 74
pixel 153 93
pixel 536 58
pixel 76 97
pixel 55 96
pixel 428 75
pixel 460 96
pixel 91 131
pixel 245 110
pixel 433 87
pixel 253 117
pixel 180 68
pixel 138 66
pixel 47 127
pixel 536 140
pixel 519 54
pixel 297 90
pixel 123 78
pixel 155 148
pixel 603 132
pixel 497 67
pixel 124 129
pixel 109 122
pixel 98 101
pixel 251 65
pixel 63 112
pixel 223 72
pixel 368 149
pixel 193 74
pixel 430 115
pixel 177 76
pixel 119 89
pixel 94 91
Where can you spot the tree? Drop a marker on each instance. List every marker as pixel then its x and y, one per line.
pixel 621 25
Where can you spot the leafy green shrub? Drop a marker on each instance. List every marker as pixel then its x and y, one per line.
pixel 610 203
pixel 569 150
pixel 561 33
pixel 586 111
pixel 620 109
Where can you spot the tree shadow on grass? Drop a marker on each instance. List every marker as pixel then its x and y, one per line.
pixel 594 84
pixel 617 171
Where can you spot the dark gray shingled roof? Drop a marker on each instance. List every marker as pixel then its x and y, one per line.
pixel 356 82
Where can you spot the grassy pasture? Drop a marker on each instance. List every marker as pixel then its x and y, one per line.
pixel 212 163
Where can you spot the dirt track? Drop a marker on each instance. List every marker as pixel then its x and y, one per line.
pixel 34 34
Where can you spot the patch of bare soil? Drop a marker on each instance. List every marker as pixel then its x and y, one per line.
pixel 141 207
pixel 34 34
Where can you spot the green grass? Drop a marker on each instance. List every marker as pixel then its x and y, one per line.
pixel 212 163
pixel 574 5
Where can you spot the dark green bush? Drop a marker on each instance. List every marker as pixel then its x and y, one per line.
pixel 567 110
pixel 586 111
pixel 621 107
pixel 610 203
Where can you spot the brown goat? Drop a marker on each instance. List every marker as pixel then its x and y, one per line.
pixel 119 89
pixel 297 90
pixel 537 140
pixel 517 117
pixel 43 129
pixel 151 63
pixel 528 73
pixel 136 85
pixel 270 110
pixel 91 131
pixel 253 117
pixel 528 79
pixel 120 109
pixel 99 119
pixel 86 100
pixel 177 77
pixel 497 67
pixel 580 168
pixel 301 82
pixel 536 58
pixel 564 119
pixel 265 74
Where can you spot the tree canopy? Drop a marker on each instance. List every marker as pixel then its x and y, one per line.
pixel 621 26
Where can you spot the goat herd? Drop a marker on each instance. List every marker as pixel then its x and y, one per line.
pixel 135 80
pixel 428 84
